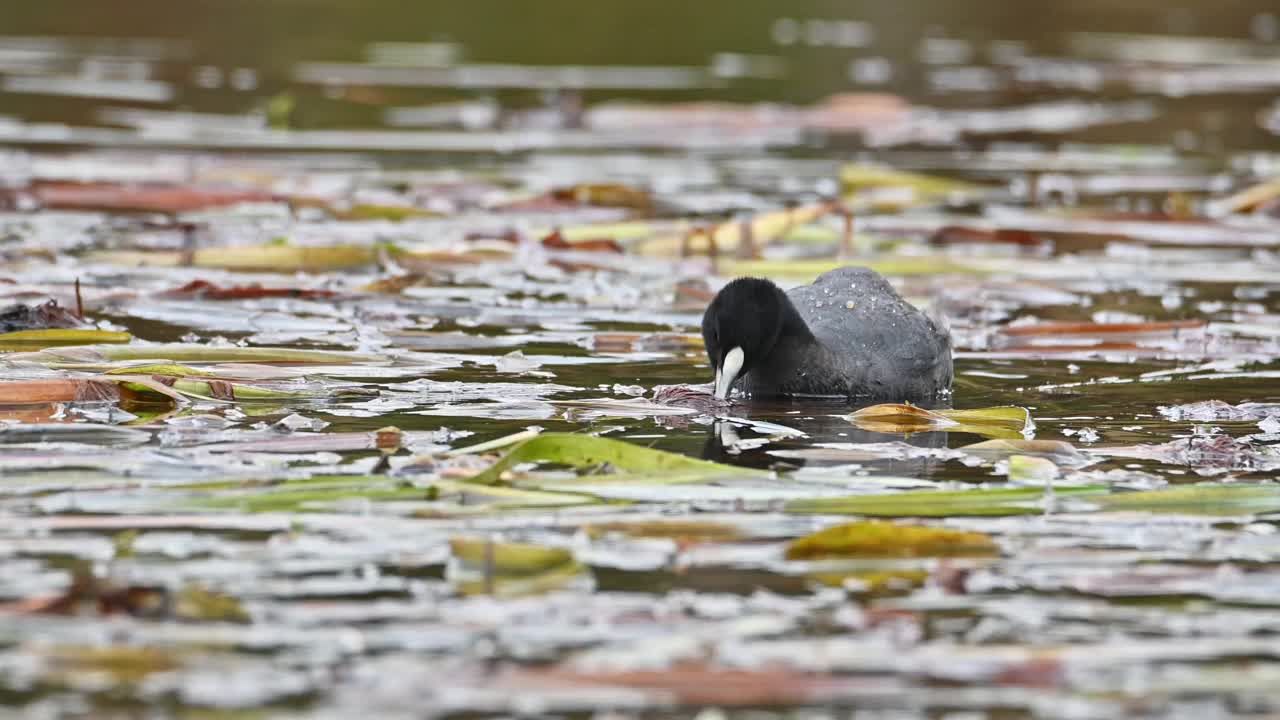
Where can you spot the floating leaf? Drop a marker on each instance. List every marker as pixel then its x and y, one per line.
pixel 30 339
pixel 248 258
pixel 729 236
pixel 605 195
pixel 1002 422
pixel 425 261
pixel 867 184
pixel 889 540
pixel 22 392
pixel 370 211
pixel 942 503
pixel 960 234
pixel 205 290
pixel 119 664
pixel 697 684
pixel 1057 451
pixel 495 444
pixel 582 451
pixel 510 558
pixel 556 241
pixel 196 603
pixel 385 439
pixel 315 494
pixel 213 390
pixel 165 369
pixel 876 581
pixel 509 569
pixel 321 493
pixel 1248 200
pixel 1031 469
pixel 141 198
pixel 622 232
pixel 1041 335
pixel 1197 500
pixel 102 355
pixel 485 498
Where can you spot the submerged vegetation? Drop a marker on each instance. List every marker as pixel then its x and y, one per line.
pixel 376 387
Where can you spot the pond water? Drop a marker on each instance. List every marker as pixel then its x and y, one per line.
pixel 372 380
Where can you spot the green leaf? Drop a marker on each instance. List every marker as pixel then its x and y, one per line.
pixel 510 558
pixel 449 498
pixel 857 178
pixel 495 444
pixel 581 451
pixel 510 569
pixel 312 494
pixel 1209 499
pixel 482 498
pixel 948 503
pixel 238 392
pixel 165 369
pixel 57 337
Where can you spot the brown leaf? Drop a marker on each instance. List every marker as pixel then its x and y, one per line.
pixel 141 198
pixel 703 685
pixel 23 392
pixel 1104 329
pixel 959 234
pixel 206 290
pixel 1036 672
pixel 557 241
pixel 605 195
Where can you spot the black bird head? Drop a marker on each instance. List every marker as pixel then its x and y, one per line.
pixel 743 324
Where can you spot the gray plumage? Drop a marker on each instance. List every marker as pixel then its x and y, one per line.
pixel 867 343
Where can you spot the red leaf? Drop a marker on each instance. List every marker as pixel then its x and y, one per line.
pixel 958 234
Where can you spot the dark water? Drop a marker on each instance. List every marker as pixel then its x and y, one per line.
pixel 351 600
pixel 231 56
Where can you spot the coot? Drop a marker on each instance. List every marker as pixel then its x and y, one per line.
pixel 849 333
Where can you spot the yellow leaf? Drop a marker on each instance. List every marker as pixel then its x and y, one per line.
pixel 890 540
pixel 1000 422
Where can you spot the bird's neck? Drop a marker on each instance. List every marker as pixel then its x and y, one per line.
pixel 794 342
pixel 793 329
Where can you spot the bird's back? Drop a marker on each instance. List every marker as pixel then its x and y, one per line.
pixel 875 345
